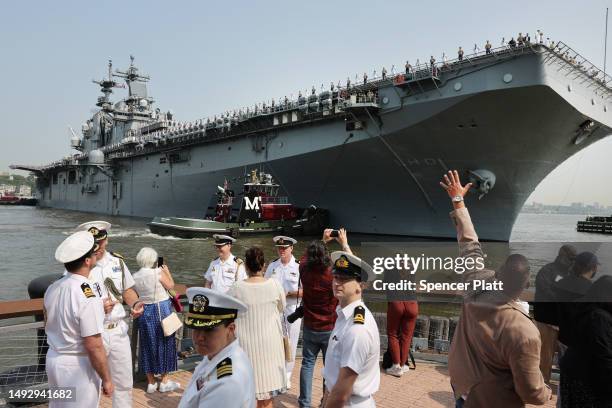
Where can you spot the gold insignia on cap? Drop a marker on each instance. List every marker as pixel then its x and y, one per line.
pixel 94 231
pixel 224 368
pixel 342 262
pixel 199 303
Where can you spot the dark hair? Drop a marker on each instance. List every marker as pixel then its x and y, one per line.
pixel 584 262
pixel 514 273
pixel 77 264
pixel 317 255
pixel 254 260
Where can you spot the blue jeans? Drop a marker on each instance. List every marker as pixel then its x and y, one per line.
pixel 312 343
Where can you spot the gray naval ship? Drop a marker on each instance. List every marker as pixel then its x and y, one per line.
pixel 371 152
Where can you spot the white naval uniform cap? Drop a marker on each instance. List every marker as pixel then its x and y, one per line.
pixel 282 241
pixel 223 239
pixel 209 308
pixel 99 229
pixel 75 246
pixel 352 266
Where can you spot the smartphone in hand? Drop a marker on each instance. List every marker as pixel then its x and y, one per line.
pixel 160 261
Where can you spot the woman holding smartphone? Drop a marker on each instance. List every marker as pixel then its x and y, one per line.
pixel 157 354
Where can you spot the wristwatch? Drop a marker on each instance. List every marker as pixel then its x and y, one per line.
pixel 457 199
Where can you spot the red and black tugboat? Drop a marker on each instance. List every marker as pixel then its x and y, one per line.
pixel 10 199
pixel 261 210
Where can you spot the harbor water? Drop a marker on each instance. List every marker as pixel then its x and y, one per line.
pixel 29 237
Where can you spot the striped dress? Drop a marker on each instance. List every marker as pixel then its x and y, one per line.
pixel 260 334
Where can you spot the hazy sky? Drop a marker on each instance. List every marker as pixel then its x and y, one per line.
pixel 207 57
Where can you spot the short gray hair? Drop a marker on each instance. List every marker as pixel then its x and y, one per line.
pixel 146 258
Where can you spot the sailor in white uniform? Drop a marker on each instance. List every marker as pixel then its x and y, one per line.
pixel 113 282
pixel 226 269
pixel 286 270
pixel 351 371
pixel 73 324
pixel 224 377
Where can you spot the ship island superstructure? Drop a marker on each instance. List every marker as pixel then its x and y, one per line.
pixel 370 152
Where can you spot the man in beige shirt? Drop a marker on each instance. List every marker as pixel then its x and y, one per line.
pixel 495 353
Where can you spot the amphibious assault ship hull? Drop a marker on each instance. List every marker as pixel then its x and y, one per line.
pixel 512 117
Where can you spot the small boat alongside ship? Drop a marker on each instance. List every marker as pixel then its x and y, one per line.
pixel 262 211
pixel 601 225
pixel 10 199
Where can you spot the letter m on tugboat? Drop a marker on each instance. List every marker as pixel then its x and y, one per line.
pixel 262 210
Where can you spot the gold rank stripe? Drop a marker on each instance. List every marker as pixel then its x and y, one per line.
pixel 224 372
pixel 211 317
pixel 223 369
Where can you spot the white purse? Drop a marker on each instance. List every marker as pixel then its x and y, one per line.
pixel 171 323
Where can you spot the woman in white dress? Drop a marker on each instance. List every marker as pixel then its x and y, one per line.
pixel 259 329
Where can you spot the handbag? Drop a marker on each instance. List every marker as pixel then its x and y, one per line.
pixel 287 346
pixel 171 323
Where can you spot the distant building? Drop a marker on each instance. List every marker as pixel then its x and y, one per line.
pixel 4 173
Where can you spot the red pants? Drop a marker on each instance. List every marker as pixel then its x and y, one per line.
pixel 401 319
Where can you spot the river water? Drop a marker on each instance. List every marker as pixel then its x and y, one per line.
pixel 29 237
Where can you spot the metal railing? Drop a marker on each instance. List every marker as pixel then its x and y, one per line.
pixel 577 64
pixel 340 96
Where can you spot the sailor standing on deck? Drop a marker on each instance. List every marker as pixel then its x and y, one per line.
pixel 351 370
pixel 113 282
pixel 224 377
pixel 286 270
pixel 226 269
pixel 73 323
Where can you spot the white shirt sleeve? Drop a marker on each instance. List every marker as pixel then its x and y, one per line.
pixel 355 349
pixel 208 273
pixel 241 272
pixel 129 279
pixel 91 316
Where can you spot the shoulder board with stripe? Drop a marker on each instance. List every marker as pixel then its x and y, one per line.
pixel 238 260
pixel 87 290
pixel 117 255
pixel 276 260
pixel 297 261
pixel 224 368
pixel 359 315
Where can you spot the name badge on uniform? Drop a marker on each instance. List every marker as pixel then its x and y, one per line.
pixel 116 269
pixel 201 382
